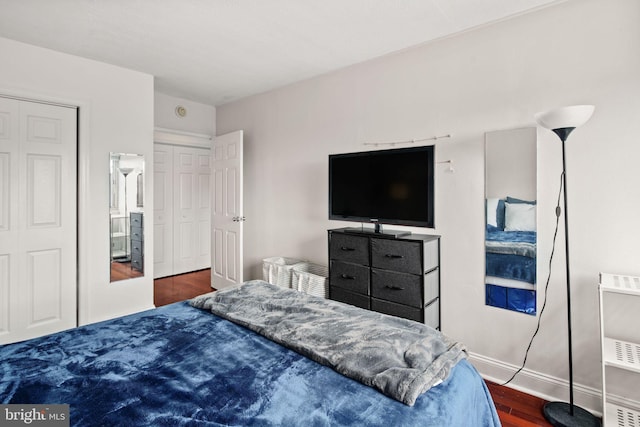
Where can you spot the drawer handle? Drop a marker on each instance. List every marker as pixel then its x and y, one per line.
pixel 394 288
pixel 346 249
pixel 394 256
pixel 346 276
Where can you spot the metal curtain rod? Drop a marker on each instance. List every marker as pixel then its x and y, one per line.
pixel 409 141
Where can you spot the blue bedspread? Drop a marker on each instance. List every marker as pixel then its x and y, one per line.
pixel 511 254
pixel 178 365
pixel 521 243
pixel 514 267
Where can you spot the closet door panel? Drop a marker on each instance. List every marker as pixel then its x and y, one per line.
pixel 4 295
pixel 163 211
pixel 38 219
pixel 4 190
pixel 48 236
pixel 182 226
pixel 192 167
pixel 9 231
pixel 203 209
pixel 44 287
pixel 184 231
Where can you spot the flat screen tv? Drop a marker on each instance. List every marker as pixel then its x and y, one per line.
pixel 383 187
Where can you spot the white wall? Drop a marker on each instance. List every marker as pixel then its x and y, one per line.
pixel 116 114
pixel 200 118
pixel 492 78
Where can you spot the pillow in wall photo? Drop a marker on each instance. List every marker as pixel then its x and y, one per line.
pixel 520 217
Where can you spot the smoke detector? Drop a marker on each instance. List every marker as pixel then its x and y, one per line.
pixel 181 111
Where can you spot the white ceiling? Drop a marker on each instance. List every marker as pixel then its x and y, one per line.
pixel 216 51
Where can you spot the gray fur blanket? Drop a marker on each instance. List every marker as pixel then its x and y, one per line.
pixel 398 357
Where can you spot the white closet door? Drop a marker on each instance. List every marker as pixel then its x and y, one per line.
pixel 184 226
pixel 162 210
pixel 202 238
pixel 192 212
pixel 182 209
pixel 38 220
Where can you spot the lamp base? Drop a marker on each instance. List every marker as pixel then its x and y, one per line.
pixel 559 415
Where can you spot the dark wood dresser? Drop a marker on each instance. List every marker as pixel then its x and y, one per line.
pixel 399 276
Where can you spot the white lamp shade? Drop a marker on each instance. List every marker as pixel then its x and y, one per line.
pixel 125 171
pixel 565 117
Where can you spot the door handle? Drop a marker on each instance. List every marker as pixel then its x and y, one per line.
pixel 239 219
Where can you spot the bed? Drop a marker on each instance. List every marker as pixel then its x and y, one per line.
pixel 184 365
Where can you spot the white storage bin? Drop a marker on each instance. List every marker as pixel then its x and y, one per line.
pixel 277 270
pixel 311 279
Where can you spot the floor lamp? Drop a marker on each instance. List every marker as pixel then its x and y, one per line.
pixel 125 172
pixel 563 121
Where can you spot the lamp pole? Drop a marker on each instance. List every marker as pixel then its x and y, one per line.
pixel 561 414
pixel 125 172
pixel 563 133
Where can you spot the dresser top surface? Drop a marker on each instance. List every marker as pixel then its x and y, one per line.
pixel 372 234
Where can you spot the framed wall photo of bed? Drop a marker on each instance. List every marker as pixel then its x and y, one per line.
pixel 511 225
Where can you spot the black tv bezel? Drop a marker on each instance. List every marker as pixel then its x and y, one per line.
pixel 428 223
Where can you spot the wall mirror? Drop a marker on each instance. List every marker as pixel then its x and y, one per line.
pixel 511 227
pixel 126 216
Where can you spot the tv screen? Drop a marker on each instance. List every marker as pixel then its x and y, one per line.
pixel 387 186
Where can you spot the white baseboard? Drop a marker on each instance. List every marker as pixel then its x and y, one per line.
pixel 541 385
pixel 545 386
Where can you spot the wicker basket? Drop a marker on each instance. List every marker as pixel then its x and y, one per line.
pixel 310 278
pixel 277 270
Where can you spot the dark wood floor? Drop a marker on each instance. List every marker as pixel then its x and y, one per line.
pixel 122 271
pixel 515 409
pixel 181 287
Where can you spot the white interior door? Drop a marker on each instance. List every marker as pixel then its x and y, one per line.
pixel 38 219
pixel 227 217
pixel 162 210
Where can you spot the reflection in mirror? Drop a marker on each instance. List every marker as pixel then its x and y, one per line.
pixel 510 229
pixel 126 214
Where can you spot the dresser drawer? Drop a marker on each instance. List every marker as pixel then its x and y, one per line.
pixel 345 247
pixel 136 263
pixel 342 295
pixel 136 233
pixel 395 309
pixel 402 288
pixel 432 314
pixel 397 255
pixel 136 219
pixel 137 248
pixel 431 286
pixel 346 275
pixel 431 254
